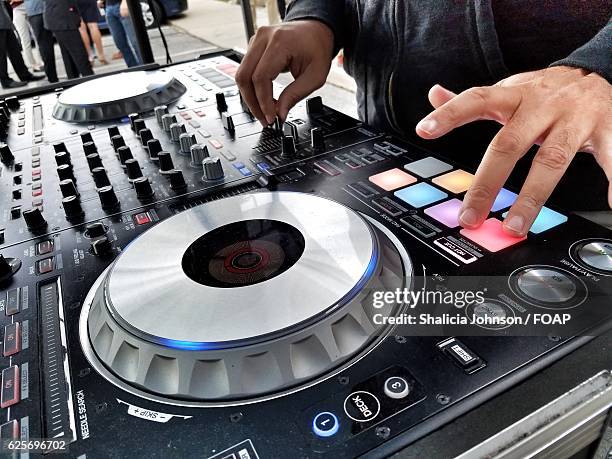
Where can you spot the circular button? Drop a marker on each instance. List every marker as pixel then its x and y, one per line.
pixel 361 406
pixel 597 255
pixel 546 285
pixel 491 315
pixel 325 424
pixel 396 387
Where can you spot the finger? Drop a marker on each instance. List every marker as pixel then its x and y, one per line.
pixel 507 147
pixel 439 95
pixel 271 64
pixel 310 80
pixel 491 103
pixel 244 77
pixel 549 164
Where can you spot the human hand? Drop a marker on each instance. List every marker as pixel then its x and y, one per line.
pixel 302 47
pixel 563 109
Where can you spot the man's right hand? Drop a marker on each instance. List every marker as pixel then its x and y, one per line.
pixel 302 47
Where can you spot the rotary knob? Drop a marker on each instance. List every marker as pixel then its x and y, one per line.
pixel 64 172
pixel 124 154
pixel 145 135
pixel 12 102
pixel 198 153
pixel 317 140
pixel 133 169
pixel 108 198
pixel 213 169
pixel 8 267
pixel 93 161
pixel 59 147
pixel 160 111
pixel 133 117
pixel 221 102
pixel 177 180
pixel 117 141
pixel 68 188
pixel 100 177
pixel 6 155
pixel 288 147
pixel 176 130
pixel 95 230
pixel 101 246
pixel 113 131
pixel 143 188
pixel 165 162
pixel 34 219
pixel 86 137
pixel 154 147
pixel 186 140
pixel 167 121
pixel 72 207
pixel 62 158
pixel 89 148
pixel 139 125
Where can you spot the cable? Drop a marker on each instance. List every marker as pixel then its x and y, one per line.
pixel 161 33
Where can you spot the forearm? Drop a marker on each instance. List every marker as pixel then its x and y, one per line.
pixel 329 12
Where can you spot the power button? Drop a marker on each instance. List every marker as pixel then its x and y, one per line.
pixel 396 387
pixel 325 424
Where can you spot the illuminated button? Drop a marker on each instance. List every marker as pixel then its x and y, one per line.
pixel 420 195
pixel 10 386
pixel 504 199
pixel 44 247
pixel 446 212
pixel 456 181
pixel 491 236
pixel 36 193
pixel 216 144
pixel 45 266
pixel 12 339
pixel 428 167
pixel 396 388
pixel 392 179
pixel 142 218
pixel 9 430
pixel 546 219
pixel 325 424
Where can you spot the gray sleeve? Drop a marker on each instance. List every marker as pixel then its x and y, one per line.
pixel 329 12
pixel 595 55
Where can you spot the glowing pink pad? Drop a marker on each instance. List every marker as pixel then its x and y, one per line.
pixel 446 212
pixel 392 179
pixel 491 236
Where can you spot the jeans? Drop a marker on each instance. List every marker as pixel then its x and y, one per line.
pixel 30 55
pixel 123 35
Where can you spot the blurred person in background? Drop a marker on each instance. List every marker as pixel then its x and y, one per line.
pixel 62 18
pixel 9 46
pixel 273 8
pixel 31 55
pixel 44 38
pixel 120 25
pixel 90 16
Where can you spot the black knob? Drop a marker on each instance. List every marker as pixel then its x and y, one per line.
pixel 117 142
pixel 100 177
pixel 154 147
pixel 143 188
pixel 72 207
pixel 86 137
pixel 6 155
pixel 34 218
pixel 94 161
pixel 213 169
pixel 124 153
pixel 139 125
pixel 113 131
pixel 108 198
pixel 89 148
pixel 102 246
pixel 317 140
pixel 8 267
pixel 177 181
pixel 165 162
pixel 96 229
pixel 133 117
pixel 288 147
pixel 12 102
pixel 145 135
pixel 133 169
pixel 221 103
pixel 62 158
pixel 68 188
pixel 64 172
pixel 314 105
pixel 60 146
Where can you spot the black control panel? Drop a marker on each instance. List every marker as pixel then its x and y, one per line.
pixel 76 195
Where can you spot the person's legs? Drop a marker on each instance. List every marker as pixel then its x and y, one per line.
pixel 282 8
pixel 131 35
pixel 4 76
pixel 273 15
pixel 44 38
pixel 73 52
pixel 113 19
pixel 21 24
pixel 96 37
pixel 85 40
pixel 71 70
pixel 14 54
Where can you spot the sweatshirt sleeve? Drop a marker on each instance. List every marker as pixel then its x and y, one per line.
pixel 595 55
pixel 329 12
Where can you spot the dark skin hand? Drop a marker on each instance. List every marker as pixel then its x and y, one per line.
pixel 563 109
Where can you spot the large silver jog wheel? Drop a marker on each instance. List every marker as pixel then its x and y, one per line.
pixel 242 297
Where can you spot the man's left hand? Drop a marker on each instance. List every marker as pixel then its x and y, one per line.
pixel 563 109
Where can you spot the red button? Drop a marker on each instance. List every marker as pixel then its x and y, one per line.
pixel 10 386
pixel 142 218
pixel 215 143
pixel 36 193
pixel 12 339
pixel 491 236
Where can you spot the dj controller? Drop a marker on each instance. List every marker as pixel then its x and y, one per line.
pixel 177 281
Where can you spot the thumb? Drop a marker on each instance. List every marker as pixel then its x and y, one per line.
pixel 439 95
pixel 309 81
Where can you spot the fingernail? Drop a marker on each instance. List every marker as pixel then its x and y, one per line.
pixel 516 223
pixel 469 217
pixel 428 125
pixel 270 119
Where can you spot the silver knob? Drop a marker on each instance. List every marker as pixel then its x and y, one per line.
pixel 176 129
pixel 213 169
pixel 160 111
pixel 187 140
pixel 167 121
pixel 199 152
